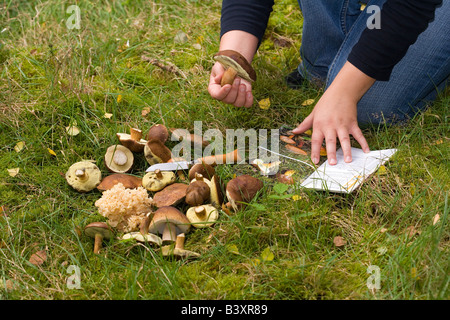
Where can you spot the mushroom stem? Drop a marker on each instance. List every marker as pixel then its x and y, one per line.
pixel 146 223
pixel 200 211
pixel 169 232
pixel 80 173
pixel 179 243
pixel 135 134
pixel 228 76
pixel 97 242
pixel 158 174
pixel 198 176
pixel 120 158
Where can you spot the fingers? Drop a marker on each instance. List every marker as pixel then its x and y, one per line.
pixel 358 135
pixel 238 94
pixel 306 124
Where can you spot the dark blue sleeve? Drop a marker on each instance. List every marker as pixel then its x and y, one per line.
pixel 246 15
pixel 402 21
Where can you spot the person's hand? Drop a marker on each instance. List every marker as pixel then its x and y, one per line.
pixel 238 94
pixel 335 115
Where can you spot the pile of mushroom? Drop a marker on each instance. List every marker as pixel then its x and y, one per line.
pixel 157 208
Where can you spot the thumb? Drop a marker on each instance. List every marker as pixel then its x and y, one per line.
pixel 306 124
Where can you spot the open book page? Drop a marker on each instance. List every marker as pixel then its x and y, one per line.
pixel 346 177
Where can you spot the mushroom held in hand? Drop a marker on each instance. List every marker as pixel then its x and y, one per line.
pixel 179 251
pixel 83 176
pixel 242 190
pixel 169 222
pixel 119 159
pixel 235 64
pixel 132 140
pixel 158 180
pixel 98 231
pixel 156 152
pixel 202 216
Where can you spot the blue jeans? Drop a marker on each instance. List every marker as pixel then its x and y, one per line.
pixel 332 27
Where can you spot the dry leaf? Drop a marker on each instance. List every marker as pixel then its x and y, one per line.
pixel 436 219
pixel 119 98
pixel 308 102
pixel 296 150
pixel 19 146
pixel 289 172
pixel 145 111
pixel 38 258
pixel 264 103
pixel 72 131
pixel 13 172
pixel 339 241
pixel 53 153
pixel 323 151
pixel 411 231
pixel 287 140
pixel 107 115
pixel 308 132
pixel 382 170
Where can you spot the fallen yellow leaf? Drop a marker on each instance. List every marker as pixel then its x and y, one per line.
pixel 289 173
pixel 382 170
pixel 233 248
pixel 19 146
pixel 13 172
pixel 308 132
pixel 308 102
pixel 264 103
pixel 296 197
pixel 267 254
pixel 72 131
pixel 107 115
pixel 53 153
pixel 323 151
pixel 119 98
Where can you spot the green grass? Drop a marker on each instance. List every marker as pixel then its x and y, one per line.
pixel 51 76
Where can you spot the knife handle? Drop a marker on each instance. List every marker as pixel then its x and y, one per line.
pixel 227 158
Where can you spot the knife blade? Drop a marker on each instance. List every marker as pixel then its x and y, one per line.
pixel 228 158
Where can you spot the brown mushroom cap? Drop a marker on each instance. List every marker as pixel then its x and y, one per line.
pixel 170 195
pixel 197 193
pixel 128 181
pixel 83 176
pixel 235 60
pixel 204 169
pixel 156 152
pixel 170 217
pixel 119 159
pixel 158 132
pixel 132 140
pixel 242 189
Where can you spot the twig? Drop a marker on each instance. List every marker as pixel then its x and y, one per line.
pixel 166 66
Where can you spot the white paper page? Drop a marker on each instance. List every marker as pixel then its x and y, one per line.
pixel 346 177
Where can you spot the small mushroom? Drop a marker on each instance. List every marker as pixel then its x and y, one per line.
pixel 178 251
pixel 216 194
pixel 197 193
pixel 133 140
pixel 158 180
pixel 128 181
pixel 158 132
pixel 202 216
pixel 119 159
pixel 235 64
pixel 156 152
pixel 98 231
pixel 169 222
pixel 83 176
pixel 145 238
pixel 267 169
pixel 242 190
pixel 202 168
pixel 170 195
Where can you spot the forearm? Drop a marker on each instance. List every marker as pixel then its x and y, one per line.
pixel 351 83
pixel 240 41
